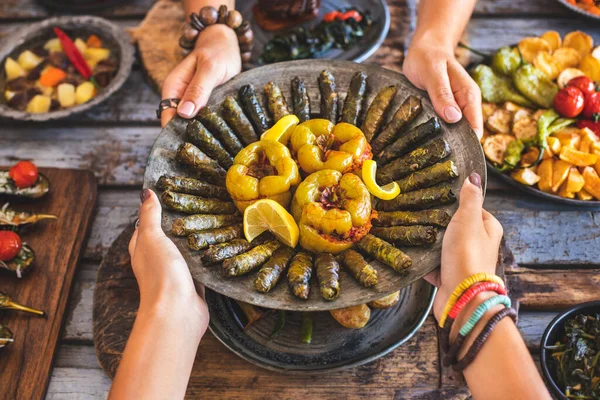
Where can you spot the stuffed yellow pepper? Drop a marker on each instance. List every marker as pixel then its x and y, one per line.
pixel 262 170
pixel 333 211
pixel 317 144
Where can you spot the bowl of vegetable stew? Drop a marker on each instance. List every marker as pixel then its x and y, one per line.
pixel 20 50
pixel 570 353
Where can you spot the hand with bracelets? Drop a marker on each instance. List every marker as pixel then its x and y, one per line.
pixel 215 41
pixel 472 307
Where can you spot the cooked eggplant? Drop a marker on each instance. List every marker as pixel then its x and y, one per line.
pixel 385 253
pixel 200 222
pixel 204 239
pixel 354 317
pixel 377 111
pixel 419 199
pixel 430 176
pixel 6 303
pixel 222 251
pixel 185 185
pixel 299 274
pixel 6 336
pixel 250 260
pixel 355 98
pixel 204 166
pixel 276 101
pixel 269 274
pixel 18 220
pixel 439 218
pixel 407 141
pixel 199 136
pixel 22 263
pixel 406 113
pixel 191 204
pixel 253 109
pixel 417 159
pixel 219 128
pixel 329 97
pixel 234 116
pixel 300 100
pixel 328 274
pixel 416 235
pixel 359 268
pixel 8 188
pixel 388 301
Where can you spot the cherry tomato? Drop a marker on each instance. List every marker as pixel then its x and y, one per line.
pixel 351 14
pixel 591 110
pixel 331 16
pixel 24 173
pixel 583 83
pixel 10 245
pixel 569 102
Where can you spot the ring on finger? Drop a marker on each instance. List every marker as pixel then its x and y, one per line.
pixel 166 104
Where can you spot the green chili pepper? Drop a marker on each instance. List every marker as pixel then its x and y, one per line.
pixel 548 123
pixel 497 88
pixel 279 323
pixel 535 85
pixel 512 156
pixel 506 60
pixel 306 328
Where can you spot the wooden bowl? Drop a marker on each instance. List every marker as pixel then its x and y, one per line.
pixel 466 153
pixel 112 36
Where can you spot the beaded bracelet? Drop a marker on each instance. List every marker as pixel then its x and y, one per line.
pixel 464 299
pixel 209 16
pixel 464 285
pixel 482 337
pixel 470 324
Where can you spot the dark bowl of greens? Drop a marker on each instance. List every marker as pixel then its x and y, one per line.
pixel 570 353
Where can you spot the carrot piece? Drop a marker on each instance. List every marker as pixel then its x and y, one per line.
pixel 52 76
pixel 94 41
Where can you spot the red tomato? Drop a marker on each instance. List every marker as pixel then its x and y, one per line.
pixel 331 16
pixel 591 110
pixel 583 83
pixel 10 245
pixel 569 102
pixel 24 173
pixel 351 14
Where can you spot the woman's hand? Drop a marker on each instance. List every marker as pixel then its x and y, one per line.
pixel 162 274
pixel 214 61
pixel 434 68
pixel 470 244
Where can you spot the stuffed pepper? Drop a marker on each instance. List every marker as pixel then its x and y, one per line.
pixel 333 211
pixel 263 170
pixel 318 144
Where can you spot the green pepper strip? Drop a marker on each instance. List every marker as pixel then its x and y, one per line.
pixel 548 123
pixel 306 328
pixel 279 324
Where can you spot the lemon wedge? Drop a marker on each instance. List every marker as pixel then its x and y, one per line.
pixel 269 215
pixel 387 192
pixel 282 130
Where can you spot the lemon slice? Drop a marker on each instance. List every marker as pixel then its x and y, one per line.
pixel 387 192
pixel 269 215
pixel 281 131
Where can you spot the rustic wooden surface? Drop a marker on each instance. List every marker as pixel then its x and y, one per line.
pixel 27 363
pixel 551 243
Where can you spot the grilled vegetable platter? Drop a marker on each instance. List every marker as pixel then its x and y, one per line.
pixel 542 115
pixel 589 8
pixel 318 144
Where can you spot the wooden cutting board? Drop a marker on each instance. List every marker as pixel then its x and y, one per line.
pixel 26 364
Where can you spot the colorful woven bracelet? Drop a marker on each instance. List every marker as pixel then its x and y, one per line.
pixel 482 337
pixel 464 285
pixel 461 303
pixel 468 326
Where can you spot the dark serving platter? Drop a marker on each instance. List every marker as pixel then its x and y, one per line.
pixel 578 10
pixel 358 53
pixel 113 37
pixel 466 153
pixel 333 347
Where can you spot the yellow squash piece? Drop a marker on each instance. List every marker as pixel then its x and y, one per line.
pixel 282 130
pixel 567 57
pixel 13 69
pixel 553 38
pixel 576 157
pixel 580 41
pixel 574 181
pixel 387 192
pixel 590 67
pixel 530 46
pixel 545 173
pixel 269 215
pixel 568 138
pixel 560 172
pixel 546 63
pixel 564 192
pixel 592 182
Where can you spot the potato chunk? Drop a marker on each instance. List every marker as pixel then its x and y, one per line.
pixel 39 104
pixel 388 301
pixel 66 94
pixel 355 317
pixel 84 92
pixel 13 69
pixel 499 121
pixel 28 61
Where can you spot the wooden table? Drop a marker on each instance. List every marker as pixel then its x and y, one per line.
pixel 557 247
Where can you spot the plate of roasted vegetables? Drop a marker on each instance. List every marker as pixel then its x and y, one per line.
pixel 311 185
pixel 62 66
pixel 589 8
pixel 541 112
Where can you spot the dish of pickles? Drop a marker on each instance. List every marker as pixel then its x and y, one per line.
pixel 541 107
pixel 300 143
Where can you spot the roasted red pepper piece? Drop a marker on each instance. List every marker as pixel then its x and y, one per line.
pixel 73 53
pixel 331 16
